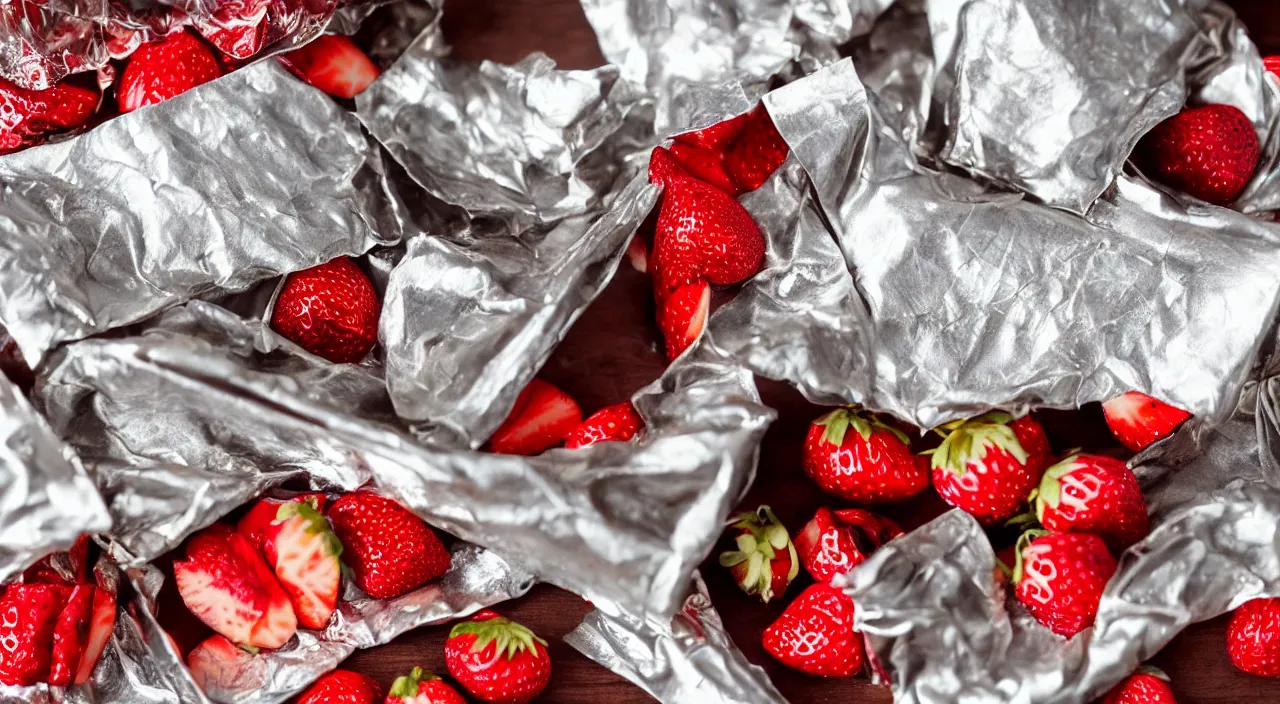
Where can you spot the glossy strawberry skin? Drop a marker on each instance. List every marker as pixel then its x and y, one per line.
pixel 164 69
pixel 835 542
pixel 330 311
pixel 851 454
pixel 756 152
pixel 1253 638
pixel 717 137
pixel 618 422
pixel 1208 152
pixel 705 165
pixel 28 618
pixel 1140 689
pixel 815 634
pixel 28 115
pixel 1272 65
pixel 684 316
pixel 492 677
pixel 993 484
pixel 71 635
pixel 542 417
pixel 342 687
pixel 102 623
pixel 333 64
pixel 1138 420
pixel 1062 579
pixel 421 687
pixel 1093 494
pixel 389 549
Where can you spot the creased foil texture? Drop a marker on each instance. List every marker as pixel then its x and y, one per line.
pixel 243 179
pixel 515 167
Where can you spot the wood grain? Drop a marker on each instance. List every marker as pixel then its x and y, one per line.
pixel 613 351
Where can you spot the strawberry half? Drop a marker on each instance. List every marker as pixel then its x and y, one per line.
pixel 1208 152
pixel 756 152
pixel 29 616
pixel 1060 578
pixel 618 422
pixel 815 634
pixel 389 549
pixel 1147 686
pixel 835 542
pixel 1093 494
pixel 497 660
pixel 343 687
pixel 329 310
pixel 71 635
pixel 765 561
pixel 988 465
pixel 684 316
pixel 28 115
pixel 164 69
pixel 420 687
pixel 542 417
pixel 228 586
pixel 1138 420
pixel 333 64
pixel 304 552
pixel 215 663
pixel 872 464
pixel 102 621
pixel 1253 638
pixel 254 524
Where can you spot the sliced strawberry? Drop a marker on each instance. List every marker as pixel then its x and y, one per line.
pixel 28 618
pixel 716 137
pixel 1137 420
pixel 164 69
pixel 684 315
pixel 618 422
pixel 66 568
pixel 304 551
pixel 545 417
pixel 335 65
pixel 638 254
pixel 215 663
pixel 70 636
pixel 101 623
pixel 704 164
pixel 253 525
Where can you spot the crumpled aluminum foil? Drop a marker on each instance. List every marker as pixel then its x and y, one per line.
pixel 515 161
pixel 239 180
pixel 46 499
pixel 688 659
pixel 969 299
pixel 938 622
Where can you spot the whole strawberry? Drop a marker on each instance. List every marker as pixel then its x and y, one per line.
pixel 1253 638
pixel 619 422
pixel 835 542
pixel 389 549
pixel 989 464
pixel 419 687
pixel 765 561
pixel 330 311
pixel 683 316
pixel 342 687
pixel 1060 578
pixel 27 115
pixel 1093 494
pixel 164 69
pixel 815 634
pixel 1137 420
pixel 756 152
pixel 215 662
pixel 871 464
pixel 1147 686
pixel 542 417
pixel 28 618
pixel 705 165
pixel 497 660
pixel 333 63
pixel 1208 152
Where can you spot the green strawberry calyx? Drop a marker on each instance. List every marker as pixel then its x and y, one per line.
pixel 1049 493
pixel 316 523
pixel 510 637
pixel 406 686
pixel 968 442
pixel 761 536
pixel 837 424
pixel 1024 541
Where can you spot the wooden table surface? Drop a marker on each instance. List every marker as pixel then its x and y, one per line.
pixel 613 351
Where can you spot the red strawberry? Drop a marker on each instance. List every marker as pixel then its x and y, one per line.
pixel 815 634
pixel 716 137
pixel 1147 686
pixel 703 164
pixel 756 152
pixel 638 254
pixel 330 311
pixel 28 618
pixel 214 663
pixel 335 65
pixel 1253 638
pixel 497 660
pixel 342 687
pixel 873 464
pixel 765 561
pixel 1137 420
pixel 254 524
pixel 1208 152
pixel 618 422
pixel 1093 494
pixel 542 417
pixel 989 464
pixel 684 316
pixel 702 232
pixel 420 687
pixel 166 68
pixel 102 621
pixel 70 636
pixel 1060 577
pixel 1272 64
pixel 389 549
pixel 27 115
pixel 835 542
pixel 66 568
pixel 225 582
pixel 304 552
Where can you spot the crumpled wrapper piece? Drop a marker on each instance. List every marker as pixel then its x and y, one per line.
pixel 240 180
pixel 689 659
pixel 46 499
pixel 943 628
pixel 516 161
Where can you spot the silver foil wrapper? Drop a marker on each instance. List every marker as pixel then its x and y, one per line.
pixel 239 180
pixel 688 659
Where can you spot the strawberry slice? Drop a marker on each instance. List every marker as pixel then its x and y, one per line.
pixel 335 65
pixel 254 524
pixel 70 636
pixel 684 315
pixel 542 417
pixel 28 618
pixel 102 622
pixel 704 164
pixel 215 663
pixel 1137 420
pixel 164 69
pixel 304 551
pixel 617 422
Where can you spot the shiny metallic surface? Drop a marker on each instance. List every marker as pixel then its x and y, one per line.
pixel 236 181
